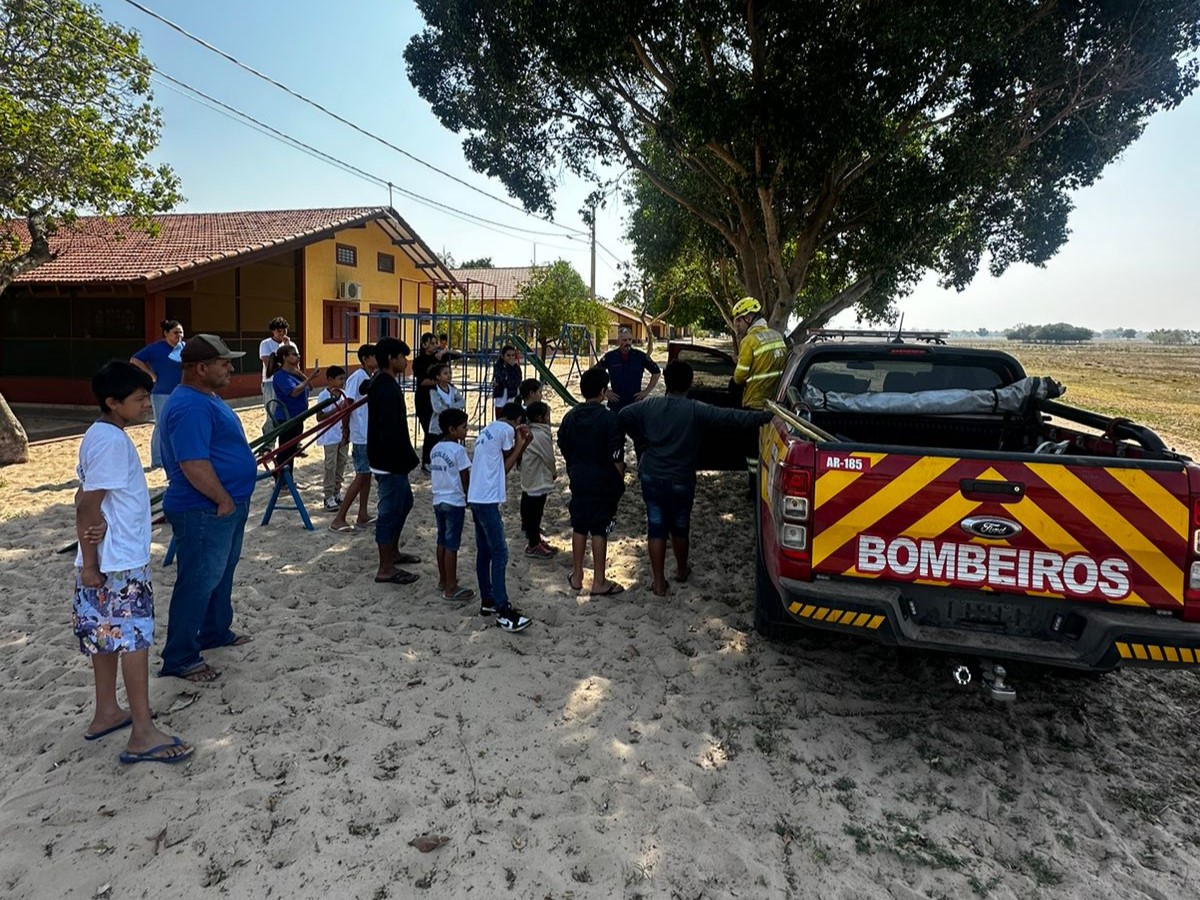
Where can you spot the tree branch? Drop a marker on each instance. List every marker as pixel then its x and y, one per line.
pixel 833 306
pixel 37 254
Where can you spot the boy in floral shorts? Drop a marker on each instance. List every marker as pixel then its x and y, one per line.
pixel 114 597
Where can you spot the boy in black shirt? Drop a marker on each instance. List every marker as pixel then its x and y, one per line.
pixel 391 456
pixel 594 448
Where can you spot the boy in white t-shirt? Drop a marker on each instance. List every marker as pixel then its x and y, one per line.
pixel 113 609
pixel 266 351
pixel 497 449
pixel 360 485
pixel 449 477
pixel 335 439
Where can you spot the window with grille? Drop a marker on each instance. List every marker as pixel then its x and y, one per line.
pixel 387 263
pixel 347 255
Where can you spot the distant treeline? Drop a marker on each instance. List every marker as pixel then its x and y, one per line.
pixel 1173 336
pixel 1057 333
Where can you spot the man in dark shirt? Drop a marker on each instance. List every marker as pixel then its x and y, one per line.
pixel 625 366
pixel 391 456
pixel 593 447
pixel 422 371
pixel 668 430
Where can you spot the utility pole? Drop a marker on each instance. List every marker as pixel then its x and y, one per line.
pixel 593 223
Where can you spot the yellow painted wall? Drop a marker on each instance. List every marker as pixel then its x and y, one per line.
pixel 406 290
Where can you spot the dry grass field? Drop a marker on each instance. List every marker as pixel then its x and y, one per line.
pixel 1156 386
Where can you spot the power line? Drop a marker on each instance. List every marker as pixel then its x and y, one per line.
pixel 245 118
pixel 318 106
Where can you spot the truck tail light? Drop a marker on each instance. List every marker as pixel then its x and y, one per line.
pixel 794 510
pixel 1191 590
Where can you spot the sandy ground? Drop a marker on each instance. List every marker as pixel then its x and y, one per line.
pixel 621 747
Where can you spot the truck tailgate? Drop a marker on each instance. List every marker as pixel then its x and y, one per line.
pixel 1111 531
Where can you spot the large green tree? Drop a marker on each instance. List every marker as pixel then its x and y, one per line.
pixel 556 296
pixel 833 149
pixel 77 125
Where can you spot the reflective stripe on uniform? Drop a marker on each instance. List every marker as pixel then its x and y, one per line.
pixel 762 376
pixel 774 345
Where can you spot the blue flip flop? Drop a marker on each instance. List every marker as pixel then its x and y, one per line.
pixel 128 757
pixel 99 734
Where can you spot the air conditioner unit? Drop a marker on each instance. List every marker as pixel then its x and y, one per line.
pixel 349 290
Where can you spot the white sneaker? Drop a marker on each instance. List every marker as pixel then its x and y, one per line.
pixel 331 504
pixel 510 619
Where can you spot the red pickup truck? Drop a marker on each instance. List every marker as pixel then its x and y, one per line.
pixel 935 497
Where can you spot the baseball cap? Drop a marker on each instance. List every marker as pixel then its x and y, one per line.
pixel 203 347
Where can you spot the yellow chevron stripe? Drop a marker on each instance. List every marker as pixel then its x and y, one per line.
pixel 1157 498
pixel 1123 649
pixel 833 481
pixel 1155 653
pixel 1139 651
pixel 862 619
pixel 820 614
pixel 807 611
pixel 794 608
pixel 1172 656
pixel 876 622
pixel 1125 535
pixel 871 510
pixel 1186 653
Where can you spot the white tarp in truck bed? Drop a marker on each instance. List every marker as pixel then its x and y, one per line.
pixel 1012 398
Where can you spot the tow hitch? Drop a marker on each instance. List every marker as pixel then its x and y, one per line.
pixel 992 678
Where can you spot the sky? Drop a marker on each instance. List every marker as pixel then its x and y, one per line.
pixel 1131 259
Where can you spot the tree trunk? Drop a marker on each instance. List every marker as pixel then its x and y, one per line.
pixel 14 443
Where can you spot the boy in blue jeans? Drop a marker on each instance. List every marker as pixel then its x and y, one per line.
pixel 497 449
pixel 114 597
pixel 449 478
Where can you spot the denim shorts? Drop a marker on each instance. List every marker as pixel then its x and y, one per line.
pixel 450 521
pixel 668 507
pixel 358 454
pixel 395 503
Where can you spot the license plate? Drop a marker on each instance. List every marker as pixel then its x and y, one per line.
pixel 984 612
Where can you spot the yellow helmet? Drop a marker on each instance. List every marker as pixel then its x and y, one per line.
pixel 746 306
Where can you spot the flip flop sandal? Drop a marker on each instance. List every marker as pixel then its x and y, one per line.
pixel 201 674
pixel 613 589
pixel 343 529
pixel 571 585
pixel 460 595
pixel 154 754
pixel 398 578
pixel 96 735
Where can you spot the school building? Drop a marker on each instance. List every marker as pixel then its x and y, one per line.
pixel 109 286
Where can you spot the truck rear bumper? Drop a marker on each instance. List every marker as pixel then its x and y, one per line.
pixel 1052 632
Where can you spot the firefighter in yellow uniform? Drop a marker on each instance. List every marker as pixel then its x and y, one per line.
pixel 761 359
pixel 762 356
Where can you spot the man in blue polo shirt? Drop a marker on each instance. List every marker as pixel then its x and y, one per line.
pixel 625 367
pixel 212 473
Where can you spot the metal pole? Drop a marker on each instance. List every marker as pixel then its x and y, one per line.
pixel 593 283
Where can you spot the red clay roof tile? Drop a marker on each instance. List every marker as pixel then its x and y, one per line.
pixel 109 250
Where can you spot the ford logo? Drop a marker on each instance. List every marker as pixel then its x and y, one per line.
pixel 990 527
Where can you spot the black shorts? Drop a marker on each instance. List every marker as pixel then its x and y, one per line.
pixel 592 513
